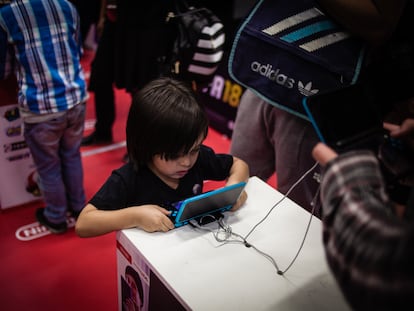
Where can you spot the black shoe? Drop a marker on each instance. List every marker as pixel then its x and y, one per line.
pixel 94 139
pixel 75 214
pixel 125 158
pixel 54 228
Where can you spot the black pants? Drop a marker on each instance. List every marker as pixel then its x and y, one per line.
pixel 102 81
pixel 88 13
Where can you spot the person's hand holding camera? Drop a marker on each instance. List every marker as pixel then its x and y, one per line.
pixel 404 131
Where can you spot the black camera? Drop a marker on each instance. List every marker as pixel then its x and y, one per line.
pixel 351 118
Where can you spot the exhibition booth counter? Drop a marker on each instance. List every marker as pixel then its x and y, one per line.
pixel 189 269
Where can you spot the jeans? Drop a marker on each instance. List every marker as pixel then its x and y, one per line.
pixel 55 148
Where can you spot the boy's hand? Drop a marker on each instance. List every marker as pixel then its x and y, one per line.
pixel 242 199
pixel 154 218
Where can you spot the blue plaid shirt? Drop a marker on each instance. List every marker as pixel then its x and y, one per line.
pixel 40 42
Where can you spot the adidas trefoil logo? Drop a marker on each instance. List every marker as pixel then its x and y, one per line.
pixel 306 90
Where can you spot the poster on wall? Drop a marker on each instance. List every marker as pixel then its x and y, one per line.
pixel 221 99
pixel 140 287
pixel 133 279
pixel 18 177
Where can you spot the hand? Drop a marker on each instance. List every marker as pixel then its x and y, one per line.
pixel 405 129
pixel 242 199
pixel 153 218
pixel 323 154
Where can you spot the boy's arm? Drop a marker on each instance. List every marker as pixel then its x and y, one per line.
pixel 239 172
pixel 93 222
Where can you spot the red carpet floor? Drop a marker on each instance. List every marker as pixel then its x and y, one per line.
pixel 64 272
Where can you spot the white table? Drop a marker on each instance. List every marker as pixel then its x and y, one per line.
pixel 202 275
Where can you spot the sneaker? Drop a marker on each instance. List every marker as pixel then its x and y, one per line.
pixel 94 139
pixel 54 228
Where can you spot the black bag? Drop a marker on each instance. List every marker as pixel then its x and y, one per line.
pixel 198 45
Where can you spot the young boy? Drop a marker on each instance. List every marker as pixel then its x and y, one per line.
pixel 165 130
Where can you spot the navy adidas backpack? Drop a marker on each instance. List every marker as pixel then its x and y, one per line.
pixel 285 51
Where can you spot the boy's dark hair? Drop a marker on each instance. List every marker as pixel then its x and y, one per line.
pixel 164 119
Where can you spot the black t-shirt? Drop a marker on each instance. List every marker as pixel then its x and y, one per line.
pixel 127 187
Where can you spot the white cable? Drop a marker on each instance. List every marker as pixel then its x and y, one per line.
pixel 226 229
pixel 283 198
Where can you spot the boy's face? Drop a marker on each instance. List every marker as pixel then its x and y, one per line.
pixel 176 168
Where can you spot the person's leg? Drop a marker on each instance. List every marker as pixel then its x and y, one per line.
pixel 102 84
pixel 294 139
pixel 43 140
pixel 270 139
pixel 105 113
pixel 71 162
pixel 250 140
